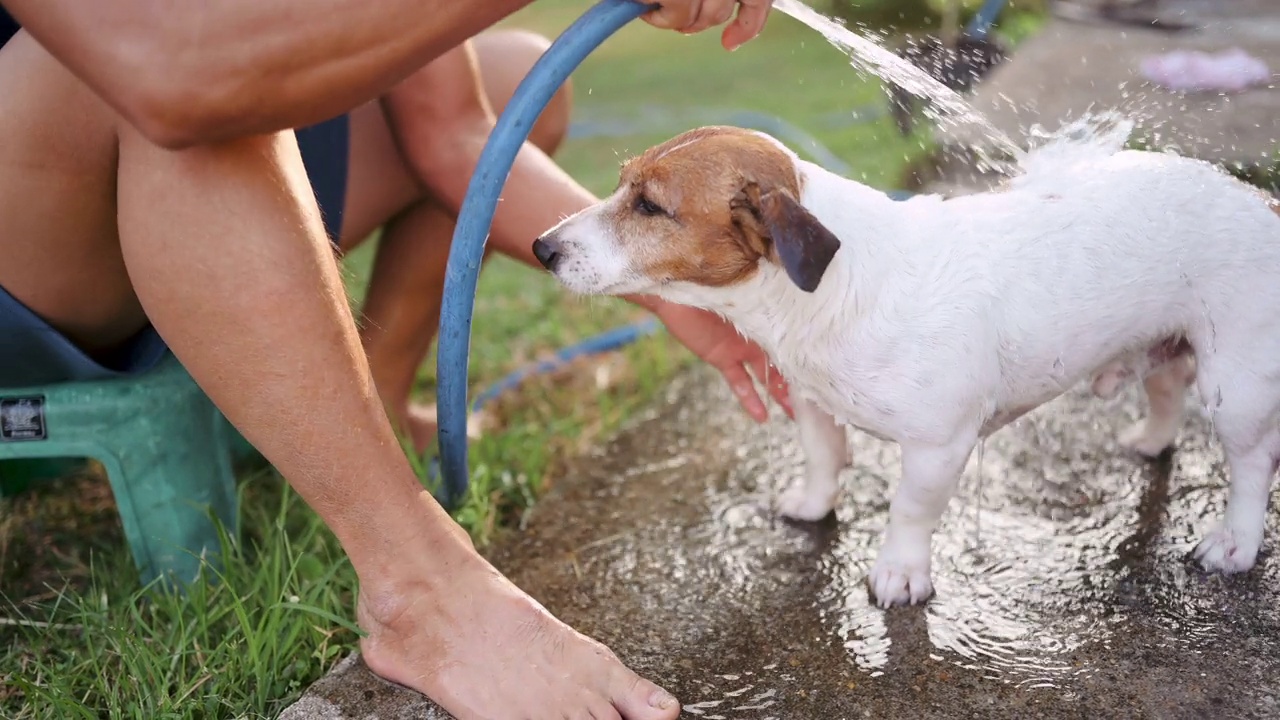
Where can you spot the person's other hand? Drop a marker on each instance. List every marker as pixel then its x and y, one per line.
pixel 720 345
pixel 691 16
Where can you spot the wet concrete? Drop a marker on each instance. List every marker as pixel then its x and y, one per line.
pixel 1070 68
pixel 1064 588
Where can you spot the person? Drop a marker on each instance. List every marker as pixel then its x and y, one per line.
pixel 155 198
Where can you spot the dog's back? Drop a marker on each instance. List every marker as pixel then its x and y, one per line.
pixel 1118 253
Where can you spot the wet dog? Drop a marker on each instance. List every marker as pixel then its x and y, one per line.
pixel 934 322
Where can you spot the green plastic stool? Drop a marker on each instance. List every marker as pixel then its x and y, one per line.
pixel 165 447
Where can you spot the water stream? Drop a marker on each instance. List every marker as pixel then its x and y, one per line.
pixel 945 107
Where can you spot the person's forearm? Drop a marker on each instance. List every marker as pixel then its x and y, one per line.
pixel 188 73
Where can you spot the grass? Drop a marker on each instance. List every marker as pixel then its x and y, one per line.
pixel 78 638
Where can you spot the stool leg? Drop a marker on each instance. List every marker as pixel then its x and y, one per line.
pixel 166 489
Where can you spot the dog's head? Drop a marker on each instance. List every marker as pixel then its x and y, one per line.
pixel 705 208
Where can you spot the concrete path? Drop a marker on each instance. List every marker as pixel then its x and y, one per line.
pixel 1065 593
pixel 1072 67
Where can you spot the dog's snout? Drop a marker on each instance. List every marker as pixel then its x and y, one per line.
pixel 547 250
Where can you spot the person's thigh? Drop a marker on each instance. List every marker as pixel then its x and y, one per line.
pixel 59 251
pixel 381 183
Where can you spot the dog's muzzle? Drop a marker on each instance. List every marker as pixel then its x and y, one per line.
pixel 548 252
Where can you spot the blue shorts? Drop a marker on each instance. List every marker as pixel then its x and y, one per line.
pixel 33 353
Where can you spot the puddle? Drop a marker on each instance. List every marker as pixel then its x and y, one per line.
pixel 1066 592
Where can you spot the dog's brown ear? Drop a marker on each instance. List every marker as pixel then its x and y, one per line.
pixel 774 223
pixel 803 245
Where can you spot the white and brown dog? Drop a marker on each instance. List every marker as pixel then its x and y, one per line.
pixel 933 322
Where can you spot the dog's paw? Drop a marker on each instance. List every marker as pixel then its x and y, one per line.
pixel 1223 550
pixel 799 503
pixel 899 582
pixel 1147 440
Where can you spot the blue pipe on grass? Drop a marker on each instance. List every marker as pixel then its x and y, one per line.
pixel 594 345
pixel 476 217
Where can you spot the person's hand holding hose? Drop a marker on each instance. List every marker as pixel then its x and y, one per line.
pixel 691 16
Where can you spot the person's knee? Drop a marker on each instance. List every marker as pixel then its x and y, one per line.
pixel 505 58
pixel 440 115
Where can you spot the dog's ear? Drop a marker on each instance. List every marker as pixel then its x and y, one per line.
pixel 774 219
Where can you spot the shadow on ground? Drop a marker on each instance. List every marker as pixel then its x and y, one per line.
pixel 1066 592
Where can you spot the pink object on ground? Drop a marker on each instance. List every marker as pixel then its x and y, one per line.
pixel 1228 71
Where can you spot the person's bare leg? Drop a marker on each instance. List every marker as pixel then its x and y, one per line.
pixel 223 248
pixel 401 312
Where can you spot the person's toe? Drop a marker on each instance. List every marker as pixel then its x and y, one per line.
pixel 638 699
pixel 604 711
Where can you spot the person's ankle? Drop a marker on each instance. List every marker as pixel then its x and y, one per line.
pixel 418 605
pixel 390 590
pixel 413 540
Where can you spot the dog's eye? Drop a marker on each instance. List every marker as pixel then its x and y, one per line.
pixel 645 206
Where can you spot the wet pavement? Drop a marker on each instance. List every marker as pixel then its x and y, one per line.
pixel 1064 588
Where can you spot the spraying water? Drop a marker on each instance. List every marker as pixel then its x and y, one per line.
pixel 945 106
pixel 1095 133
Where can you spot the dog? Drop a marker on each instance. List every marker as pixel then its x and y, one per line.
pixel 934 322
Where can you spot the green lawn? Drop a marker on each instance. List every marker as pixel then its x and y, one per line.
pixel 78 639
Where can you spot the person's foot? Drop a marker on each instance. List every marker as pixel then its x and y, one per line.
pixel 482 649
pixel 421 421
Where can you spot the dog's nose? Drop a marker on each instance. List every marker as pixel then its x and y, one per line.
pixel 547 251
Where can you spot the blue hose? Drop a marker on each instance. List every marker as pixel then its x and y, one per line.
pixel 594 345
pixel 476 217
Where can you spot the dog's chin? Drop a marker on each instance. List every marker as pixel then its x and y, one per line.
pixel 584 284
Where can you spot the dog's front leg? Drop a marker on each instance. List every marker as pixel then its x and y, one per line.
pixel 826 452
pixel 930 474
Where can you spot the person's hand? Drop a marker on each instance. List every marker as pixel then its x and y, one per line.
pixel 691 16
pixel 720 345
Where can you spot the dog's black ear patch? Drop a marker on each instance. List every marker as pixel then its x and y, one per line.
pixel 804 245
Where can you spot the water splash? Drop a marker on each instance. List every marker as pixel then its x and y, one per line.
pixel 1087 139
pixel 947 108
pixel 1105 133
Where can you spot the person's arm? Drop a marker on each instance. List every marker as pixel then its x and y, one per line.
pixel 187 73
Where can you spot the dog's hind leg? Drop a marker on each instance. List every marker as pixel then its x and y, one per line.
pixel 1166 391
pixel 826 452
pixel 1246 414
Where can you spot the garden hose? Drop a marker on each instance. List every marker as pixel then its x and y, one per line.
pixel 476 217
